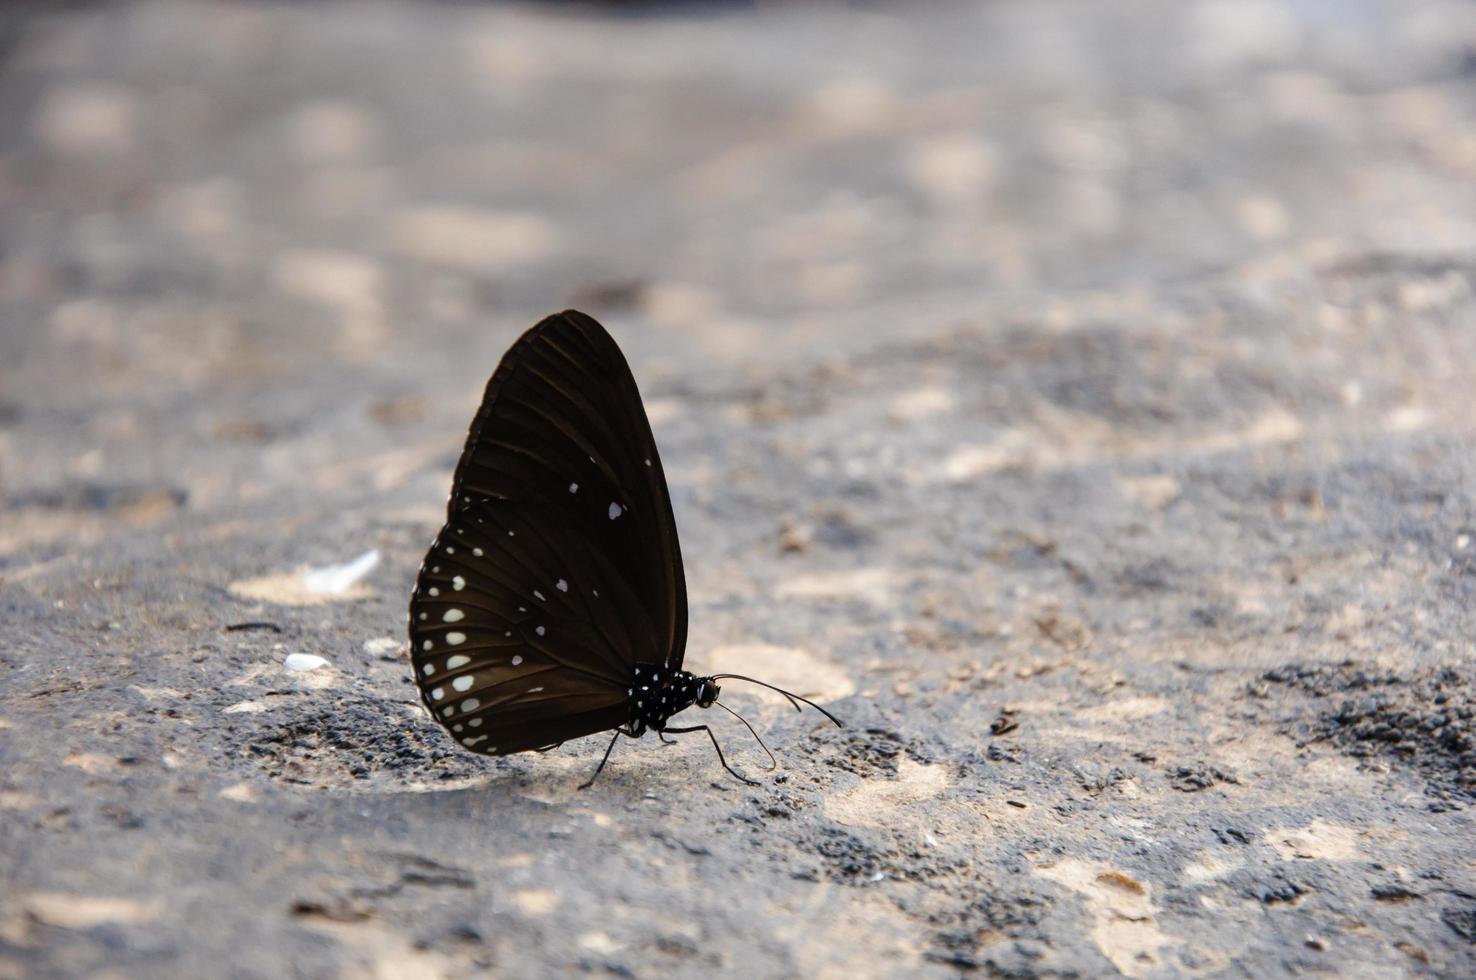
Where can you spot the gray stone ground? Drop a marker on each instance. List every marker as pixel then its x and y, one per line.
pixel 1076 396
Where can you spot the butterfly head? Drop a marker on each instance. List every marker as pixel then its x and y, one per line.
pixel 707 692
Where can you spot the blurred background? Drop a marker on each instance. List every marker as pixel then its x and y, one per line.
pixel 287 206
pixel 1074 395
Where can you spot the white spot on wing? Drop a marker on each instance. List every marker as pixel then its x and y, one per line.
pixel 573 488
pixel 539 630
pixel 455 639
pixel 458 583
pixel 562 585
pixel 477 552
pixel 438 693
pixel 470 704
pixel 459 660
pixel 427 645
pixel 463 683
pixel 539 595
pixel 516 660
pixel 453 616
pixel 615 510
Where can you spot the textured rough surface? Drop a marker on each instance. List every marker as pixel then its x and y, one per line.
pixel 1076 396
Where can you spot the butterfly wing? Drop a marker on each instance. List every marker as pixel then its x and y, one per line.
pixel 521 632
pixel 562 426
pixel 558 569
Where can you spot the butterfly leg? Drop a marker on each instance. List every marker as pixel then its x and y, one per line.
pixel 610 748
pixel 703 728
pixel 664 739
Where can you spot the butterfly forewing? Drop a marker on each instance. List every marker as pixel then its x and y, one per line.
pixel 558 569
pixel 562 427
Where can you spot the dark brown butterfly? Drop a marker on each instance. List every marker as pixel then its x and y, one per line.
pixel 552 604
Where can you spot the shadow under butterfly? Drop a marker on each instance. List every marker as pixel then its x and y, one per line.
pixel 552 604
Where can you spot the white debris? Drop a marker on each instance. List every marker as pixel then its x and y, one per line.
pixel 248 707
pixel 381 646
pixel 304 661
pixel 334 579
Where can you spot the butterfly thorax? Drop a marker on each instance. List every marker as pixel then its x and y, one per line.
pixel 658 692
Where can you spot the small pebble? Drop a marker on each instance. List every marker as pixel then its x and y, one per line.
pixel 382 646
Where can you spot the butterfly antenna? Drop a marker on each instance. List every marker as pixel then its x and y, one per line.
pixel 772 763
pixel 793 698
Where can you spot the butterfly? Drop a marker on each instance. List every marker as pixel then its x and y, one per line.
pixel 553 604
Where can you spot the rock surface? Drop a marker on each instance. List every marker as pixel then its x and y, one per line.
pixel 1076 396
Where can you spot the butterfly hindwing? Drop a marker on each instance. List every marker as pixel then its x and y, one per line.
pixel 514 632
